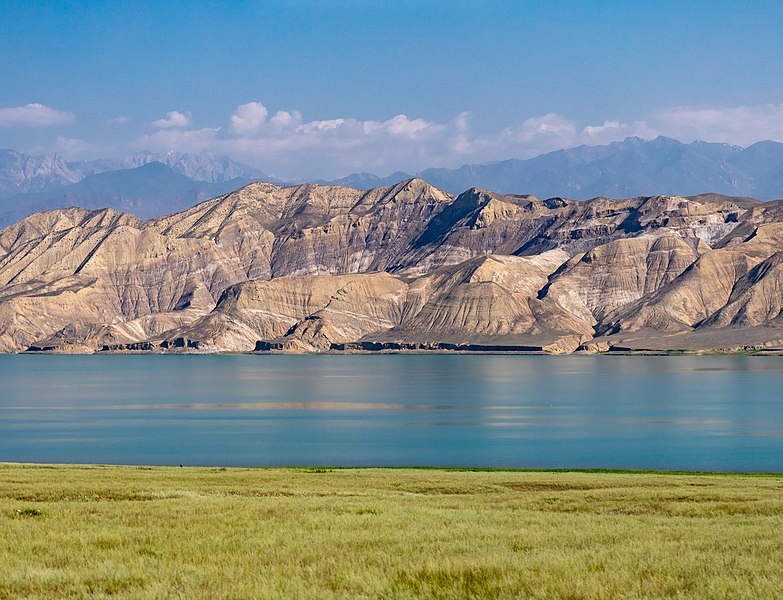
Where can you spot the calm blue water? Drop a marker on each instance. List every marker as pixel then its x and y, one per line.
pixel 701 413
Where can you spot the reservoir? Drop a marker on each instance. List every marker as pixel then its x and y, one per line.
pixel 714 413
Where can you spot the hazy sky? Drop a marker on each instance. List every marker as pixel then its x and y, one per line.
pixel 324 88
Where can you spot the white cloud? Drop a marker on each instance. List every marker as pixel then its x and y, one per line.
pixel 741 125
pixel 536 135
pixel 402 126
pixel 611 131
pixel 34 115
pixel 71 147
pixel 284 119
pixel 461 122
pixel 174 120
pixel 322 126
pixel 290 146
pixel 550 125
pixel 187 140
pixel 607 127
pixel 248 118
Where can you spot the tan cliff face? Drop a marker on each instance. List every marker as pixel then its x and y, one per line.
pixel 314 268
pixel 618 273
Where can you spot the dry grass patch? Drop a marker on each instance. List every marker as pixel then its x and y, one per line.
pixel 124 532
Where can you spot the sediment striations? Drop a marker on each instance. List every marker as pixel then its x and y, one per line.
pixel 315 268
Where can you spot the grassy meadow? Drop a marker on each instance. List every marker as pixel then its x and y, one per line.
pixel 127 532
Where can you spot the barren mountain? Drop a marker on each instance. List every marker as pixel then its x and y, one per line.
pixel 147 191
pixel 628 168
pixel 318 268
pixel 22 173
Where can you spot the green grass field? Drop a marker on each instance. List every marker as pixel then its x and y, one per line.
pixel 124 532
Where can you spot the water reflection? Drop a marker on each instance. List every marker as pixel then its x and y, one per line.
pixel 720 413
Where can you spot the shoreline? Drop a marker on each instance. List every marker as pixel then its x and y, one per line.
pixel 445 469
pixel 442 352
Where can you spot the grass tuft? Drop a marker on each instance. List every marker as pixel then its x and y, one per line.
pixel 365 511
pixel 452 582
pixel 28 512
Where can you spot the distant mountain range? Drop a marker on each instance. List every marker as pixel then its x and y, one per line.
pixel 147 191
pixel 633 167
pixel 146 184
pixel 149 184
pixel 20 173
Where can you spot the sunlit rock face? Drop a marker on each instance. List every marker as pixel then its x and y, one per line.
pixel 321 268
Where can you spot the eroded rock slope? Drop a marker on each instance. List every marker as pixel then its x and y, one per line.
pixel 317 268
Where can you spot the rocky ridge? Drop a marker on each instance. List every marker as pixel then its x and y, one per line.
pixel 314 268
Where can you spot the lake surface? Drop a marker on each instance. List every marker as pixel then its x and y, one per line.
pixel 678 412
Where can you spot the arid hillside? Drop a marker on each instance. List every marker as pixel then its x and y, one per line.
pixel 316 268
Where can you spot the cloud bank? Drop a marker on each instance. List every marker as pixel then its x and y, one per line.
pixel 34 115
pixel 740 125
pixel 285 144
pixel 288 145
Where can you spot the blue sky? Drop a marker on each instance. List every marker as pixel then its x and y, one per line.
pixel 323 88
